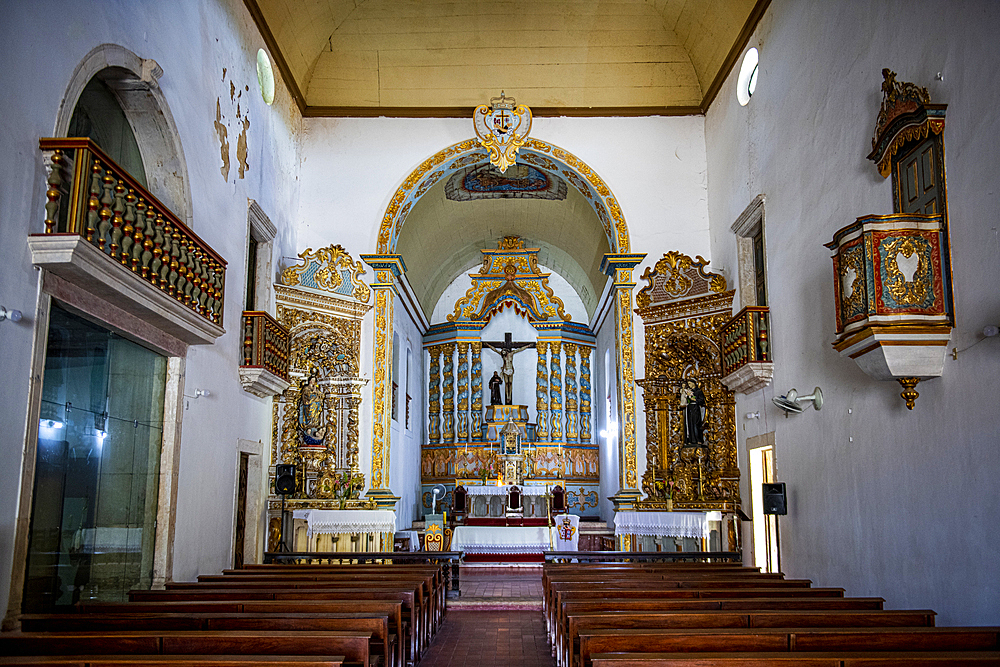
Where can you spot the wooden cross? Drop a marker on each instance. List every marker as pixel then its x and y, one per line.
pixel 507 349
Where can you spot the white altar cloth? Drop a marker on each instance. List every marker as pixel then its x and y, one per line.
pixel 666 524
pixel 321 522
pixel 501 539
pixel 494 490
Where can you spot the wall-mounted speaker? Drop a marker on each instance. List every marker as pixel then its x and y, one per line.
pixel 774 498
pixel 284 479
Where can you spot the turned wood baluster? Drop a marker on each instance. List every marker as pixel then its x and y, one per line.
pixel 93 204
pixel 172 274
pixel 145 215
pixel 52 195
pixel 107 206
pixel 182 267
pixel 122 212
pixel 159 243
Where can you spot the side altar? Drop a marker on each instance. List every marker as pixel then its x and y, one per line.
pixel 315 422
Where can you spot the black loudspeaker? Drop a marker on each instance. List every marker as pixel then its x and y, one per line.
pixel 774 498
pixel 284 479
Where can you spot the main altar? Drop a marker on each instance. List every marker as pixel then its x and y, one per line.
pixel 501 448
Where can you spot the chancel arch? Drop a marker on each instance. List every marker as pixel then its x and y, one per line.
pixel 440 222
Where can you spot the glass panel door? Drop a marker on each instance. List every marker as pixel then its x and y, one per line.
pixel 97 467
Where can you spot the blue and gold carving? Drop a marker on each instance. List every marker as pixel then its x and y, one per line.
pixel 585 434
pixel 434 396
pixel 542 391
pixel 448 394
pixel 571 406
pixel 555 394
pixel 463 392
pixel 477 392
pixel 329 269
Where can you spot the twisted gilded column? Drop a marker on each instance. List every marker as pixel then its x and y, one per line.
pixel 388 269
pixel 476 428
pixel 571 406
pixel 434 396
pixel 585 434
pixel 463 392
pixel 619 267
pixel 448 394
pixel 542 393
pixel 555 395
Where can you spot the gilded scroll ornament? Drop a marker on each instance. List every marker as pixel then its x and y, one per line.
pixel 906 115
pixel 502 127
pixel 329 269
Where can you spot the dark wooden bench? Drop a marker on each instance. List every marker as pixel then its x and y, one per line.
pixel 577 623
pixel 353 645
pixel 174 660
pixel 393 608
pixel 800 659
pixel 383 641
pixel 410 598
pixel 779 640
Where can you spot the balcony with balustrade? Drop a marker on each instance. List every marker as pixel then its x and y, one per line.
pixel 107 236
pixel 266 349
pixel 747 365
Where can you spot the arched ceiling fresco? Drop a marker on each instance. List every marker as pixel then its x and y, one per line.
pixel 442 236
pixel 434 58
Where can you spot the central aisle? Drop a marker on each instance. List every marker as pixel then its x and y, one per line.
pixel 497 622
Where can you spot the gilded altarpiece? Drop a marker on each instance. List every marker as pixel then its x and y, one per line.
pixel 315 421
pixel 691 460
pixel 558 447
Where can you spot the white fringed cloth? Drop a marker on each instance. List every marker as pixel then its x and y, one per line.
pixel 501 539
pixel 494 490
pixel 663 524
pixel 321 522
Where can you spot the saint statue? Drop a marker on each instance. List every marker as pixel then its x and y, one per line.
pixel 693 402
pixel 312 418
pixel 495 383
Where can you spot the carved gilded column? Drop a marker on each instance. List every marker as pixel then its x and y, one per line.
pixel 619 267
pixel 388 268
pixel 555 395
pixel 571 406
pixel 585 433
pixel 434 396
pixel 448 394
pixel 542 393
pixel 476 429
pixel 463 392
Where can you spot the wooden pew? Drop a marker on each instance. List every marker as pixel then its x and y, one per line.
pixel 800 659
pixel 780 640
pixel 393 608
pixel 410 597
pixel 578 623
pixel 175 661
pixel 384 642
pixel 354 646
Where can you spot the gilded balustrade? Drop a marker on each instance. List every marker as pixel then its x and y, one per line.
pixel 87 194
pixel 265 343
pixel 745 339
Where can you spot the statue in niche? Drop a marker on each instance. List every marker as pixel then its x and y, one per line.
pixel 312 416
pixel 495 383
pixel 693 402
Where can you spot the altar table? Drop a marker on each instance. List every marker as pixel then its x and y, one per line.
pixel 697 525
pixel 344 530
pixel 506 541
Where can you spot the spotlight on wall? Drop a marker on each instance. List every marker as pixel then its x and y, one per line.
pixel 198 393
pixel 991 330
pixel 753 415
pixel 12 315
pixel 790 402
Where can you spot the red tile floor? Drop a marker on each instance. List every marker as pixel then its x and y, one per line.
pixel 498 637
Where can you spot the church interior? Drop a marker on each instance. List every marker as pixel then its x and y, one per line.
pixel 499 279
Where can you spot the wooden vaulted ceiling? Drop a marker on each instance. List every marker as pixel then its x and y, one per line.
pixel 441 58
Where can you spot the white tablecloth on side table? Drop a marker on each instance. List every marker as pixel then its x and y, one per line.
pixel 501 539
pixel 321 522
pixel 665 524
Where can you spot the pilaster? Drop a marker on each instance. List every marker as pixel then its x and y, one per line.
pixel 585 417
pixel 555 394
pixel 448 394
pixel 542 393
pixel 476 427
pixel 572 417
pixel 434 395
pixel 463 392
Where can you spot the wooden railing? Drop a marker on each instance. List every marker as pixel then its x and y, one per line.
pixel 265 343
pixel 745 339
pixel 89 195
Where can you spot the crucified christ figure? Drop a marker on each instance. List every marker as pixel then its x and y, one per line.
pixel 507 349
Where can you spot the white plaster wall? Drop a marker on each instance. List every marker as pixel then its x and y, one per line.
pixel 43 43
pixel 404 453
pixel 882 501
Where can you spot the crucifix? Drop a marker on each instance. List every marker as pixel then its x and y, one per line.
pixel 507 349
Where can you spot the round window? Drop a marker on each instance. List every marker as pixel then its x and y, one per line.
pixel 747 82
pixel 265 76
